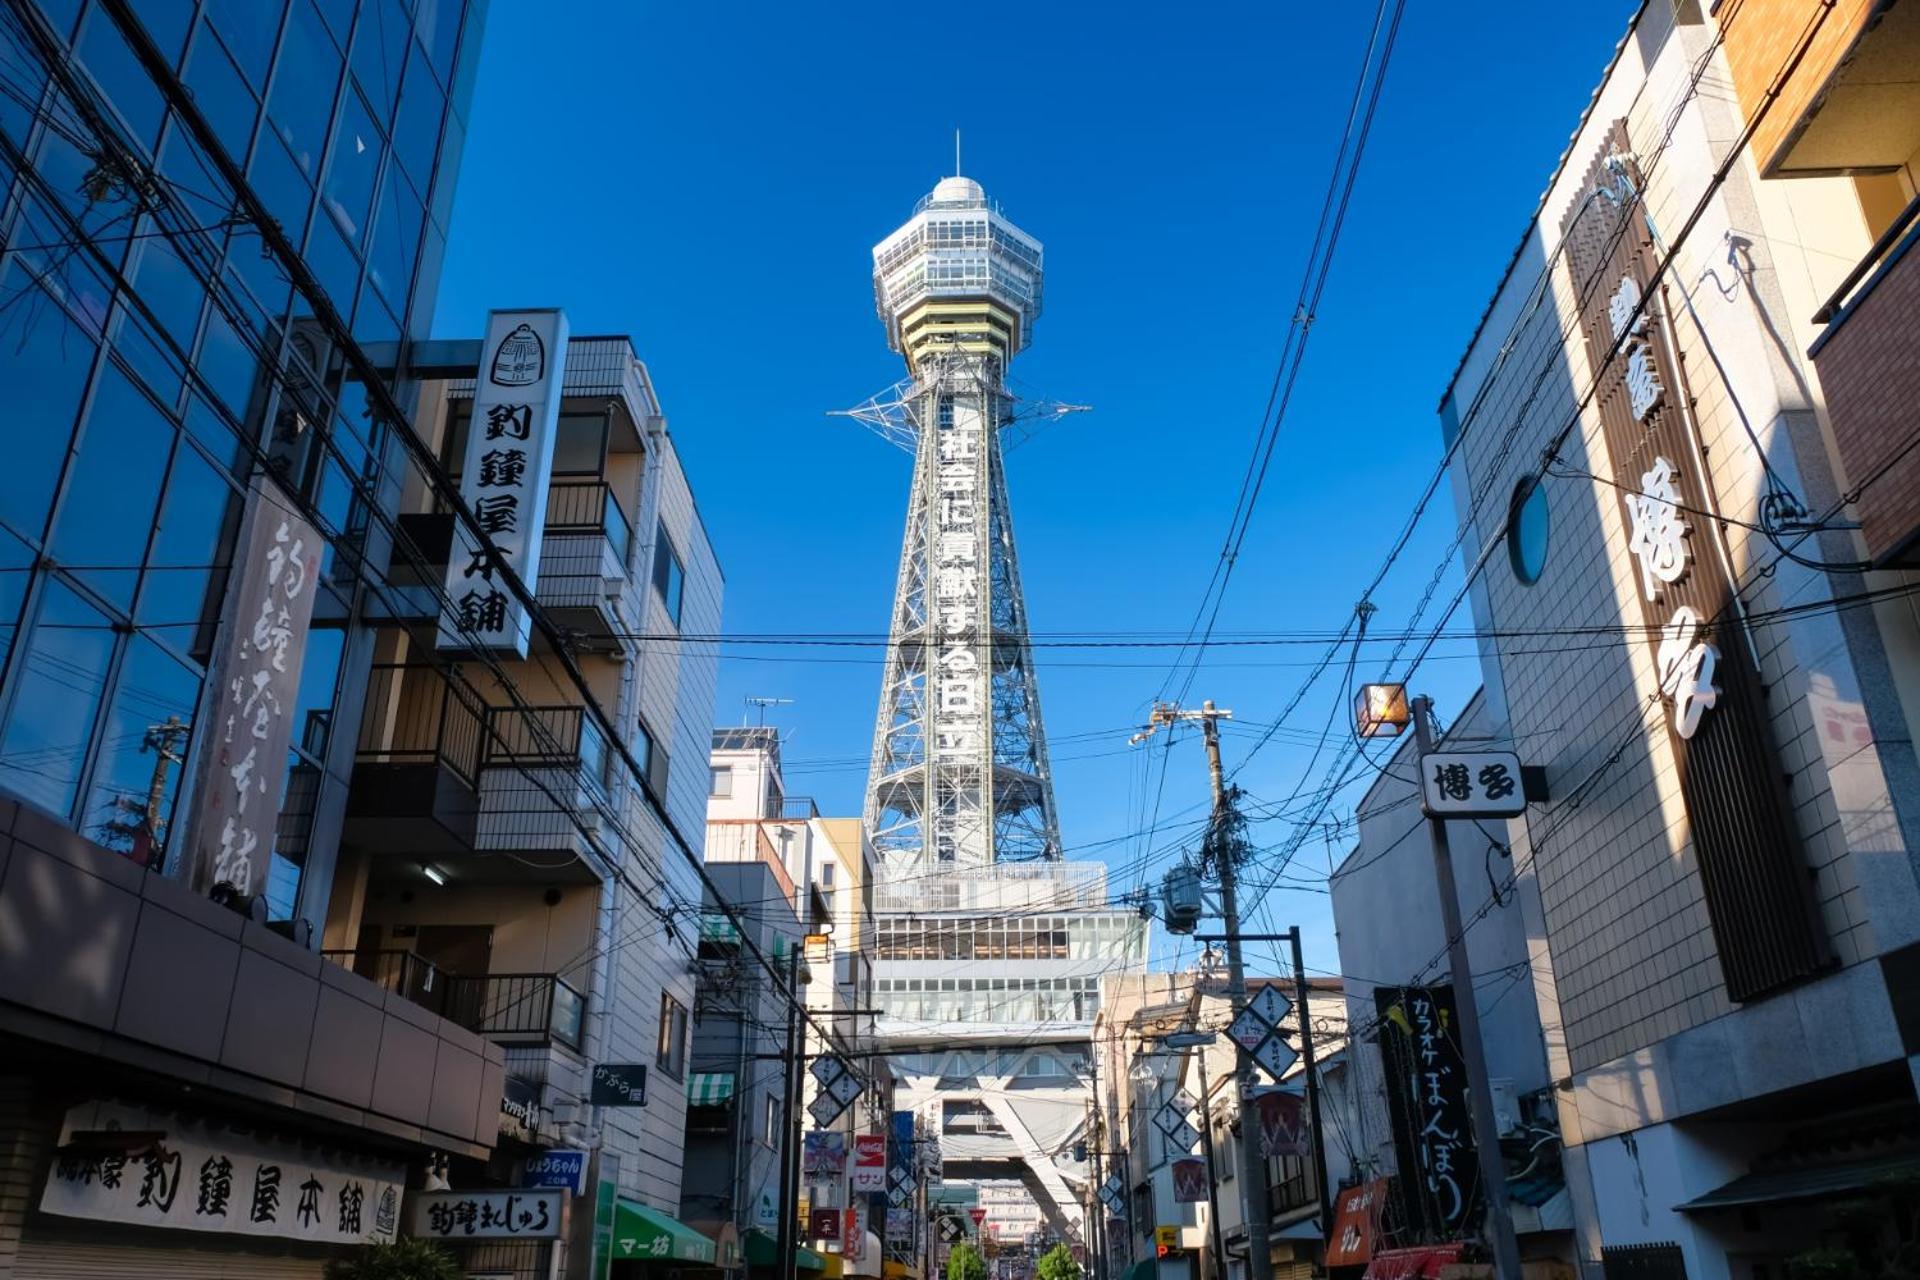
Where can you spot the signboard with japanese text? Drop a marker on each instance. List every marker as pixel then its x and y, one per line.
pixel 1720 721
pixel 558 1168
pixel 823 1224
pixel 1471 784
pixel 1356 1224
pixel 191 1177
pixel 853 1235
pixel 251 723
pixel 869 1162
pixel 618 1084
pixel 485 1215
pixel 1426 1080
pixel 503 478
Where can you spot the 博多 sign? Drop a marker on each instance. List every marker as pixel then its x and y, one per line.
pixel 486 1215
pixel 503 478
pixel 1472 784
pixel 184 1176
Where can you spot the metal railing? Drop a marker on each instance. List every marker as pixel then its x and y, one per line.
pixel 413 716
pixel 1894 236
pixel 588 506
pixel 518 1008
pixel 401 972
pixel 561 735
pixel 798 808
pixel 514 1008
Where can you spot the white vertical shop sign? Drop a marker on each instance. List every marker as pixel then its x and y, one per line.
pixel 503 477
pixel 259 674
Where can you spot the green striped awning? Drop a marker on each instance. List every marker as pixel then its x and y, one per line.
pixel 709 1088
pixel 715 927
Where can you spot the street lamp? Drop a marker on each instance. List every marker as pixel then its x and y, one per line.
pixel 1380 711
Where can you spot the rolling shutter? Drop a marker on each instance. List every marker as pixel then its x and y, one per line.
pixel 44 1259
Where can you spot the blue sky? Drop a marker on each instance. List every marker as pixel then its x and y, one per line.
pixel 711 179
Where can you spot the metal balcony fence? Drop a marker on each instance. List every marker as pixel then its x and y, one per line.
pixel 588 506
pixel 563 736
pixel 513 1008
pixel 413 716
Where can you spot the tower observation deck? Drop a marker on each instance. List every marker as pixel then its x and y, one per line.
pixel 959 779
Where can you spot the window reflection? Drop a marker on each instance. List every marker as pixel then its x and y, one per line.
pixel 58 690
pixel 43 369
pixel 123 453
pixel 130 807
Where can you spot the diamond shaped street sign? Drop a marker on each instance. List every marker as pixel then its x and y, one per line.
pixel 1109 1198
pixel 825 1068
pixel 1183 1102
pixel 1271 1005
pixel 1276 1055
pixel 1183 1137
pixel 1166 1119
pixel 1248 1029
pixel 825 1109
pixel 845 1089
pixel 950 1230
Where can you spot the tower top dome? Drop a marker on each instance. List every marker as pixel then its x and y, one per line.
pixel 957 191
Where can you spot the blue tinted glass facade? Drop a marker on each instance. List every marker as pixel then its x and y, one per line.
pixel 139 312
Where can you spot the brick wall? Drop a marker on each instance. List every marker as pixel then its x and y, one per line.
pixel 1869 366
pixel 1761 36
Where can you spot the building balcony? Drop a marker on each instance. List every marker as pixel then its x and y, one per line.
pixel 416 773
pixel 511 1009
pixel 583 582
pixel 543 780
pixel 1868 360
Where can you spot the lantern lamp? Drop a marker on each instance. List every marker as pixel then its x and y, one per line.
pixel 1380 711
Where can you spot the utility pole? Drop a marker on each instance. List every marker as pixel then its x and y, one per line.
pixel 1321 1195
pixel 1213 1169
pixel 786 1238
pixel 1486 1139
pixel 1253 1165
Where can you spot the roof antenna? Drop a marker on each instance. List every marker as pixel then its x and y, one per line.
pixel 956 153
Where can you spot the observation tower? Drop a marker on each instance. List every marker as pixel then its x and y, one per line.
pixel 959 777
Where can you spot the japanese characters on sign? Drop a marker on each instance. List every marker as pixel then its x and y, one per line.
pixel 962 720
pixel 1427 1095
pixel 503 478
pixel 259 688
pixel 1644 387
pixel 869 1162
pixel 618 1084
pixel 1472 784
pixel 486 1215
pixel 1658 541
pixel 192 1178
pixel 853 1238
pixel 557 1168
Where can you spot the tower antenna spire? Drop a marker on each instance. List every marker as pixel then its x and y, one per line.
pixel 956 153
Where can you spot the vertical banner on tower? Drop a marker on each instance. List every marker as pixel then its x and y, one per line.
pixel 503 478
pixel 961 727
pixel 251 723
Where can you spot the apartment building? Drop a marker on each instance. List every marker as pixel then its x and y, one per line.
pixel 1676 433
pixel 521 852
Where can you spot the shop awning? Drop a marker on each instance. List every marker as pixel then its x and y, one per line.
pixel 892 1270
pixel 644 1233
pixel 1808 1182
pixel 836 1268
pixel 709 1088
pixel 870 1259
pixel 1422 1263
pixel 762 1250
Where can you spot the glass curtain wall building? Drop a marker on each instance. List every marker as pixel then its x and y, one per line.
pixel 139 306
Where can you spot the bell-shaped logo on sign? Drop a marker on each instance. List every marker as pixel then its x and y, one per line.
pixel 521 360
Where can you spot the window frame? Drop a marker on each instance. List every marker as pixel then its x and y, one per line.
pixel 670 1051
pixel 669 573
pixel 716 775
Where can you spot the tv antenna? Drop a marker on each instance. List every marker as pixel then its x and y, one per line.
pixel 761 704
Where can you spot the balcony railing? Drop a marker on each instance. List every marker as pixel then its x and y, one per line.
pixel 518 1008
pixel 798 808
pixel 413 716
pixel 588 506
pixel 512 1008
pixel 545 735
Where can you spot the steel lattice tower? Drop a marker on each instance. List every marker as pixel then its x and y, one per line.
pixel 959 774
